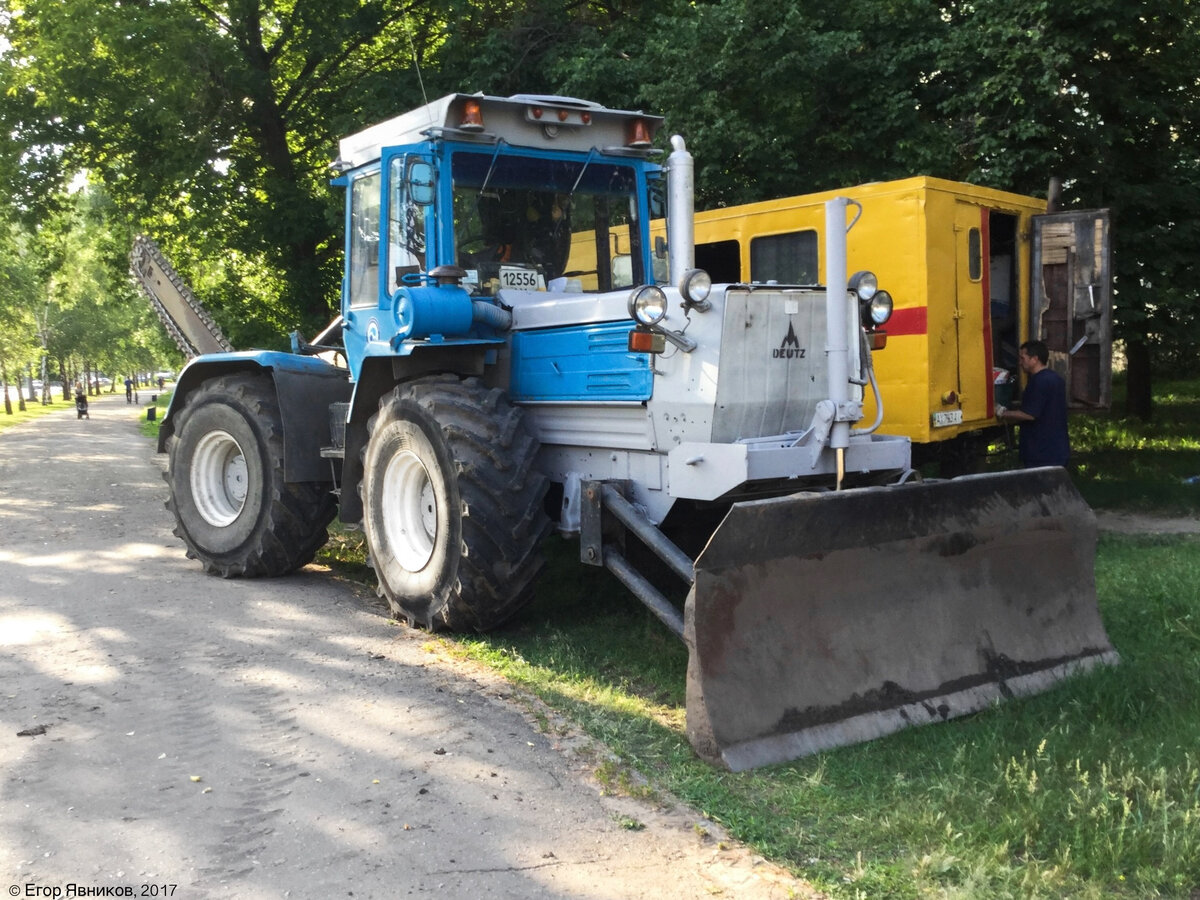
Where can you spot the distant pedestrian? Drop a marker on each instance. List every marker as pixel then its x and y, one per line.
pixel 81 402
pixel 1043 414
pixel 128 389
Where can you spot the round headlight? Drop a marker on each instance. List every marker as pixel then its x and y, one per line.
pixel 864 284
pixel 695 286
pixel 648 304
pixel 880 307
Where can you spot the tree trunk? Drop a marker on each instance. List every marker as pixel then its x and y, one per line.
pixel 4 387
pixel 17 385
pixel 1139 401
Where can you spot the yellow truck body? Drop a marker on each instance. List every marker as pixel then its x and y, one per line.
pixel 973 272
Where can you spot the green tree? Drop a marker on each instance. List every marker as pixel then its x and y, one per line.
pixel 808 98
pixel 772 100
pixel 19 295
pixel 1103 93
pixel 99 319
pixel 212 124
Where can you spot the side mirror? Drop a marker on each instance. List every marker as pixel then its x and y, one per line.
pixel 422 179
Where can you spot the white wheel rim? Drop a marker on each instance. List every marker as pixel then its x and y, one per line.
pixel 409 510
pixel 219 478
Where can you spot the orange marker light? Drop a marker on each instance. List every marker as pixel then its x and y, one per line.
pixel 639 134
pixel 646 342
pixel 472 119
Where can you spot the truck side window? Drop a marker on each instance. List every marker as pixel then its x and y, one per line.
pixel 364 241
pixel 785 258
pixel 722 260
pixel 974 254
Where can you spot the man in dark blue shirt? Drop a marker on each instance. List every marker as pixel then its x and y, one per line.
pixel 1043 412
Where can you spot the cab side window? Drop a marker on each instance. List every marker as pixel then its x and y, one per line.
pixel 364 241
pixel 406 230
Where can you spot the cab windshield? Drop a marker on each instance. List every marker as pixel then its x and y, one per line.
pixel 537 224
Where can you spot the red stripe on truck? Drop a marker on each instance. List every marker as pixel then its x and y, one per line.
pixel 913 320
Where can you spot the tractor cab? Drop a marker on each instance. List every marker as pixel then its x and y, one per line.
pixel 471 195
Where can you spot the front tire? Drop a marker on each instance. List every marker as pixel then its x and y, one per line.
pixel 233 509
pixel 452 505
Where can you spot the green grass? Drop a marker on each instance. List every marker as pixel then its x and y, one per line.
pixel 161 402
pixel 1127 463
pixel 1090 790
pixel 1124 463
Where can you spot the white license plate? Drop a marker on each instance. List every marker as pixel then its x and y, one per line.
pixel 518 279
pixel 947 417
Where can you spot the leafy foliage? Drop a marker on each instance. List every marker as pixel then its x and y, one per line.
pixel 19 287
pixel 1101 94
pixel 212 125
pixel 210 122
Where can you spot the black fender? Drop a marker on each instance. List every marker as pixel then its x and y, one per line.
pixel 305 386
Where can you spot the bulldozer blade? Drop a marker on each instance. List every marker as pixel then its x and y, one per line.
pixel 822 620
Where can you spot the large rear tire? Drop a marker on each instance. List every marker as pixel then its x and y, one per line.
pixel 453 509
pixel 233 509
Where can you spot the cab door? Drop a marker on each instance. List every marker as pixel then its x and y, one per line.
pixel 1071 301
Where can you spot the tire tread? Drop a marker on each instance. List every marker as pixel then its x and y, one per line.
pixel 503 520
pixel 294 524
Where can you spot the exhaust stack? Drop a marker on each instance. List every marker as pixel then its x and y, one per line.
pixel 681 210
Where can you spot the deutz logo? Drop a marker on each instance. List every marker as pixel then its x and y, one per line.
pixel 790 348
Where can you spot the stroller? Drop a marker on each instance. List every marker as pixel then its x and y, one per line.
pixel 81 404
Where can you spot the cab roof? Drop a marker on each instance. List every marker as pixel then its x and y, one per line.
pixel 526 120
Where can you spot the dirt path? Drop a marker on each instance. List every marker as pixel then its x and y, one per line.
pixel 263 739
pixel 1142 523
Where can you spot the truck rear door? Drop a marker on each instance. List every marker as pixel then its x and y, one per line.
pixel 1071 301
pixel 971 320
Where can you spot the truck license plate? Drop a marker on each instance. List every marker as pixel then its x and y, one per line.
pixel 947 417
pixel 518 279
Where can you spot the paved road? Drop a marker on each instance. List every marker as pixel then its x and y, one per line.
pixel 271 738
